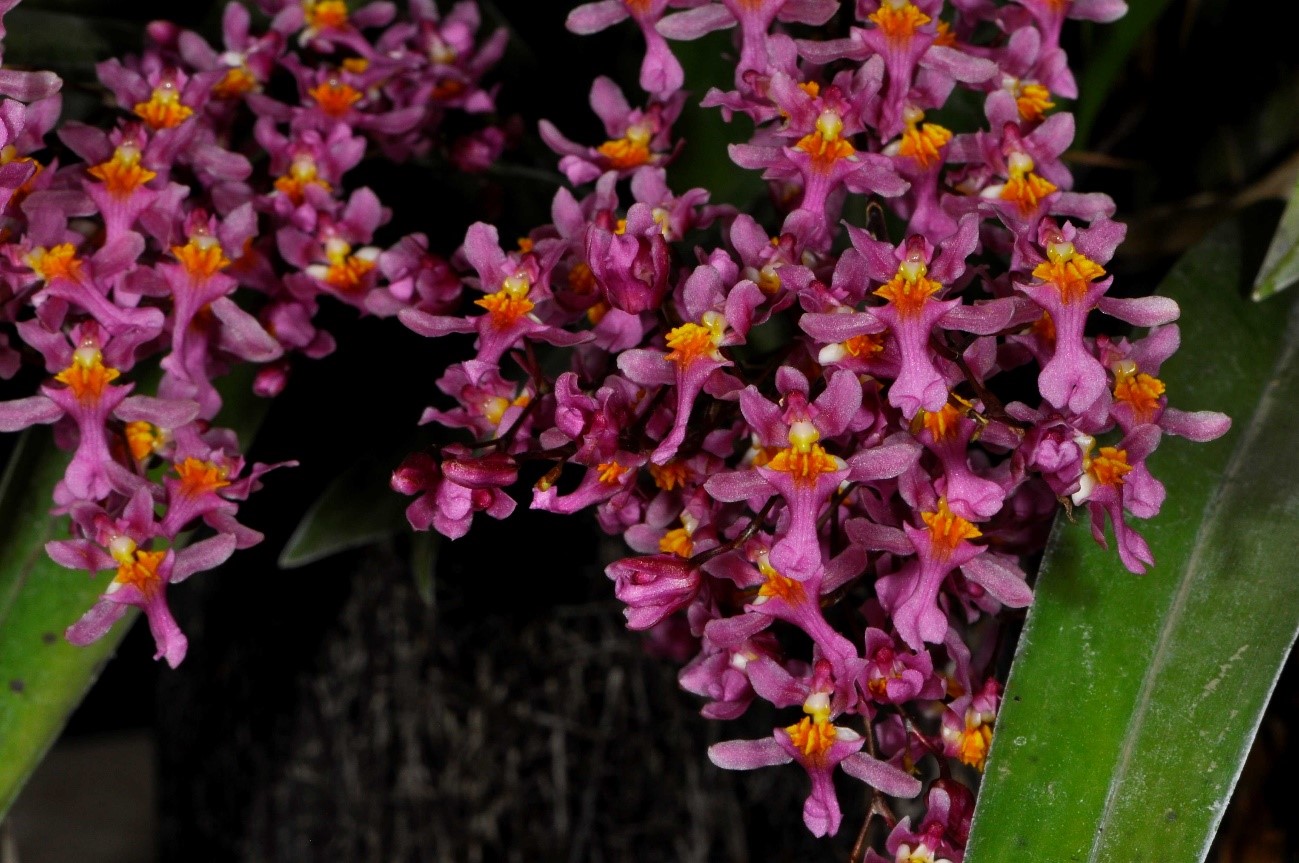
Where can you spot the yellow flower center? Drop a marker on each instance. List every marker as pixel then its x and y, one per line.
pixel 508 304
pixel 164 110
pixel 669 476
pixel 1071 272
pixel 909 290
pixel 826 145
pixel 942 423
pixel 59 262
pixel 804 459
pixel 302 173
pixel 1138 389
pixel 1109 466
pixel 630 151
pixel 947 530
pixel 690 342
pixel 325 14
pixel 86 376
pixel 334 97
pixel 141 571
pixel 1033 100
pixel 899 21
pixel 972 742
pixel 921 142
pixel 199 477
pixel 142 438
pixel 866 345
pixel 123 173
pixel 812 738
pixel 1024 188
pixel 202 257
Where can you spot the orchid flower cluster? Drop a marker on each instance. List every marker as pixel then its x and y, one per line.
pixel 832 451
pixel 204 231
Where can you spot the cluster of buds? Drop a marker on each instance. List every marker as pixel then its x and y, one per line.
pixel 831 452
pixel 201 233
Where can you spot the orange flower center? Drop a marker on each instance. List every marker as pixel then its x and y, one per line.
pixel 142 438
pixel 302 173
pixel 1071 273
pixel 59 262
pixel 866 345
pixel 1033 100
pixel 508 304
pixel 671 475
pixel 826 145
pixel 610 472
pixel 123 173
pixel 1138 389
pixel 346 271
pixel 334 97
pixel 141 571
pixel 630 151
pixel 202 257
pixel 947 530
pixel 87 376
pixel 943 423
pixel 325 14
pixel 690 342
pixel 1024 188
pixel 899 21
pixel 921 142
pixel 678 542
pixel 1109 466
pixel 164 110
pixel 812 738
pixel 909 290
pixel 199 477
pixel 237 81
pixel 973 742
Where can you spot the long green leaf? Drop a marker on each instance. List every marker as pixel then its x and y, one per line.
pixel 1132 701
pixel 1280 267
pixel 42 677
pixel 356 509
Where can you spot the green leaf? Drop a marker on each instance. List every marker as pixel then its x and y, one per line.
pixel 356 509
pixel 1132 701
pixel 42 677
pixel 1280 267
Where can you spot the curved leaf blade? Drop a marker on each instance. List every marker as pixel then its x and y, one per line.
pixel 356 509
pixel 42 676
pixel 1133 701
pixel 1280 267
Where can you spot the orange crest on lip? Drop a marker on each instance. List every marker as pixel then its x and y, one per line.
pixel 163 110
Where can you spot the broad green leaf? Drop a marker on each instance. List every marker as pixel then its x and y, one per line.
pixel 1133 700
pixel 356 509
pixel 42 677
pixel 1280 267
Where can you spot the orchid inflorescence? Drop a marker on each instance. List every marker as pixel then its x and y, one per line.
pixel 832 452
pixel 203 231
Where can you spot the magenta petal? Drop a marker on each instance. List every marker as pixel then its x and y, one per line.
pixel 22 413
pixel 693 23
pixel 202 556
pixel 748 754
pixel 594 17
pixel 1000 578
pixel 880 775
pixel 164 413
pixel 1142 311
pixel 1199 426
pixel 95 623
